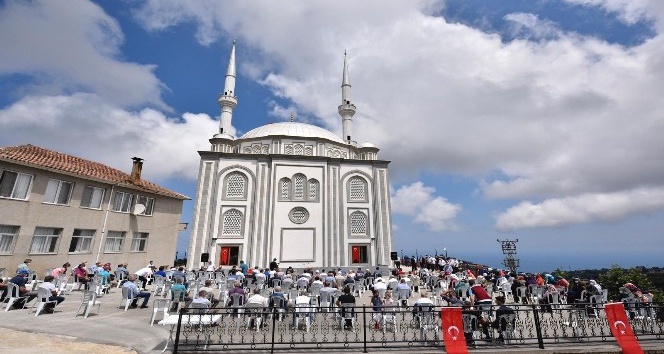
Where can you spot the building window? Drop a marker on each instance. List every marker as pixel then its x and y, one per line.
pixel 358 223
pixel 357 189
pixel 140 242
pixel 359 254
pixel 298 149
pixel 122 202
pixel 92 197
pixel 299 181
pixel 148 203
pixel 114 241
pixel 236 186
pixel 288 149
pixel 58 192
pixel 8 235
pixel 45 240
pixel 14 185
pixel 81 241
pixel 313 190
pixel 247 150
pixel 309 150
pixel 232 223
pixel 284 188
pixel 298 215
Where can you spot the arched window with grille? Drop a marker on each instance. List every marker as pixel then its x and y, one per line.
pixel 313 190
pixel 284 189
pixel 233 221
pixel 299 184
pixel 235 186
pixel 358 223
pixel 357 189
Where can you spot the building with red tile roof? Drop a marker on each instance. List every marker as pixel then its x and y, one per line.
pixel 57 208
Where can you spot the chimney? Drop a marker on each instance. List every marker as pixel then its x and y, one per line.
pixel 136 169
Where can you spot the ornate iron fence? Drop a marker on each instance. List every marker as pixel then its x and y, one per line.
pixel 362 329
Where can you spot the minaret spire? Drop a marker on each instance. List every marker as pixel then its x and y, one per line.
pixel 227 100
pixel 346 109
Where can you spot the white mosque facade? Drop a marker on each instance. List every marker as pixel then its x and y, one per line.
pixel 291 191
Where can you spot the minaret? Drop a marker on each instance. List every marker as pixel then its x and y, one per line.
pixel 227 100
pixel 346 109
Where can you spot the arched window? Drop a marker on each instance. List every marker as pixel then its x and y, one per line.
pixel 358 223
pixel 298 149
pixel 235 186
pixel 299 181
pixel 357 189
pixel 284 188
pixel 313 190
pixel 232 223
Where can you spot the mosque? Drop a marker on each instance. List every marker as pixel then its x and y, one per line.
pixel 290 191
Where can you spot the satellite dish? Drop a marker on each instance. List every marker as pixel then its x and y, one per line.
pixel 138 209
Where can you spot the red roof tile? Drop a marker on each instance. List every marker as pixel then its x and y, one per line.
pixel 37 157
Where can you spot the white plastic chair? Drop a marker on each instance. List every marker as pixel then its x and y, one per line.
pixel 13 295
pixel 89 301
pixel 127 297
pixel 254 312
pixel 303 312
pixel 43 296
pixel 160 305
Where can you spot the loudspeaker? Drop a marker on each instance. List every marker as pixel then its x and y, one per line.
pixel 394 256
pixel 205 257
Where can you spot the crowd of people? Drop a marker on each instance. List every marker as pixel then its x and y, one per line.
pixel 431 281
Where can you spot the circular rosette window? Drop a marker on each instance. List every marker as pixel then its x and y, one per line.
pixel 298 215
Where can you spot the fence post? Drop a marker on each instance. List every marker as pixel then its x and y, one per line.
pixel 177 332
pixel 538 327
pixel 275 313
pixel 364 320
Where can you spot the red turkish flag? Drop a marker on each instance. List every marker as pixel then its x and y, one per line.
pixel 621 329
pixel 225 251
pixel 455 342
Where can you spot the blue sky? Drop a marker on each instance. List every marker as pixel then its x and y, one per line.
pixel 539 120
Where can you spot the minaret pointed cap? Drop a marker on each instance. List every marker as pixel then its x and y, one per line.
pixel 346 78
pixel 231 62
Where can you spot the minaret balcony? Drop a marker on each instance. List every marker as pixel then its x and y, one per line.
pixel 226 100
pixel 347 109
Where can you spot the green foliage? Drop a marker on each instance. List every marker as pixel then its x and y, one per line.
pixel 561 273
pixel 616 277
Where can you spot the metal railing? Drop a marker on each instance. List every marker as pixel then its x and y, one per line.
pixel 362 329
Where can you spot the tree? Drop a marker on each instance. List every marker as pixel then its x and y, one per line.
pixel 616 277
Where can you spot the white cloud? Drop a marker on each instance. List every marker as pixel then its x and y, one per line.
pixel 84 125
pixel 562 117
pixel 72 46
pixel 420 201
pixel 581 209
pixel 630 11
pixel 530 26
